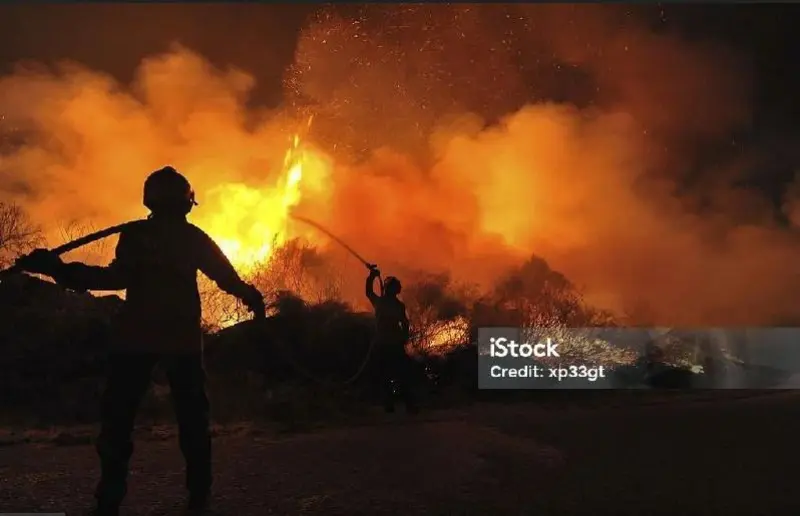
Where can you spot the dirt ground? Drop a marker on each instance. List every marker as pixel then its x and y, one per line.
pixel 733 455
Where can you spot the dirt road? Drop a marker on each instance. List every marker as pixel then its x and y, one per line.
pixel 732 456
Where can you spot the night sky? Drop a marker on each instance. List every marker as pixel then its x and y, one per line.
pixel 260 38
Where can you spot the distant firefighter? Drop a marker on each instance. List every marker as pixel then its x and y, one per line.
pixel 395 366
pixel 156 263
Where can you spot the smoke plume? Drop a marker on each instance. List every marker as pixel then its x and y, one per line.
pixel 458 138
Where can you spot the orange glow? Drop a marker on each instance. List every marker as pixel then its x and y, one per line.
pixel 250 222
pixel 432 175
pixel 446 334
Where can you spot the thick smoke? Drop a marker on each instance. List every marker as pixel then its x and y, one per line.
pixel 564 131
pixel 89 142
pixel 465 139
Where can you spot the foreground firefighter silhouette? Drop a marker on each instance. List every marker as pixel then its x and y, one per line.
pixel 395 367
pixel 156 263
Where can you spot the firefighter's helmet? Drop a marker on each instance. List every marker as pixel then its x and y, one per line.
pixel 167 189
pixel 392 286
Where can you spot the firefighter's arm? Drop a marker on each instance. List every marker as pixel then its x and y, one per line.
pixel 214 264
pixel 79 276
pixel 370 286
pixel 82 277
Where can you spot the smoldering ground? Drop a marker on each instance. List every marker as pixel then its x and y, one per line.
pixel 452 138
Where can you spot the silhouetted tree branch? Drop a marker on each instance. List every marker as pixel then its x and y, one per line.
pixel 18 235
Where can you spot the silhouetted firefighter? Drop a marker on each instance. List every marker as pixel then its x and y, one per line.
pixel 156 263
pixel 395 367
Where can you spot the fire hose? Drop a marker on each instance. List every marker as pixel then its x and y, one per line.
pixel 336 239
pixel 98 235
pixel 75 244
pixel 369 266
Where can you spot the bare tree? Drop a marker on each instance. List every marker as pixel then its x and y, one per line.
pixel 438 310
pixel 18 235
pixel 219 309
pixel 292 267
pixel 96 252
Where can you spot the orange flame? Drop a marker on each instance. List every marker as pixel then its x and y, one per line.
pixel 249 223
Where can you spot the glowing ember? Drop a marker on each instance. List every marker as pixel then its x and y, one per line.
pixel 446 334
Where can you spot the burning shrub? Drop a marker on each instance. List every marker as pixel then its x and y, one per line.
pixel 312 333
pixel 294 267
pixel 438 313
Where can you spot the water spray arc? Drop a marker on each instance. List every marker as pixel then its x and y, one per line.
pixel 332 236
pixel 338 240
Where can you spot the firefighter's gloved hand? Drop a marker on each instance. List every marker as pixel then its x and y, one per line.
pixel 254 301
pixel 41 261
pixel 374 272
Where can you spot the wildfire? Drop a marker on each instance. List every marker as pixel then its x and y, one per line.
pixel 446 334
pixel 248 223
